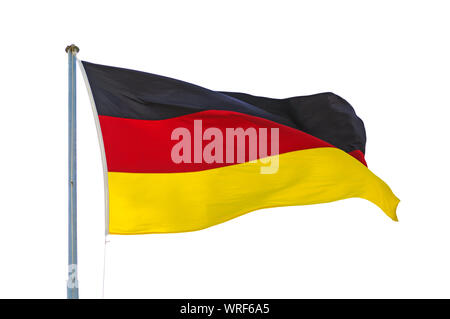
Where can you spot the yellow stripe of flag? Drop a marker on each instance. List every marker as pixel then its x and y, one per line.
pixel 176 202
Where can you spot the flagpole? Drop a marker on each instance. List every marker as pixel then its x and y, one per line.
pixel 72 282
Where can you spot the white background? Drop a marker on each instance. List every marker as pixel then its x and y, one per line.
pixel 389 59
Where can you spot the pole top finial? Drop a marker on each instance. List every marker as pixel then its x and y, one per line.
pixel 73 49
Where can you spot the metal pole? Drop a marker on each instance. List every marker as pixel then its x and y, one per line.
pixel 72 282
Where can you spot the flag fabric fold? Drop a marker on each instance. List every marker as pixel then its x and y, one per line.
pixel 171 166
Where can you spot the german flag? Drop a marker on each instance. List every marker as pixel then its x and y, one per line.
pixel 180 157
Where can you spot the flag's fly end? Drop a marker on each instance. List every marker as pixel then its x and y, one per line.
pixel 393 214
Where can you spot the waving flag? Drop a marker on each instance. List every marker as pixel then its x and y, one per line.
pixel 180 157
